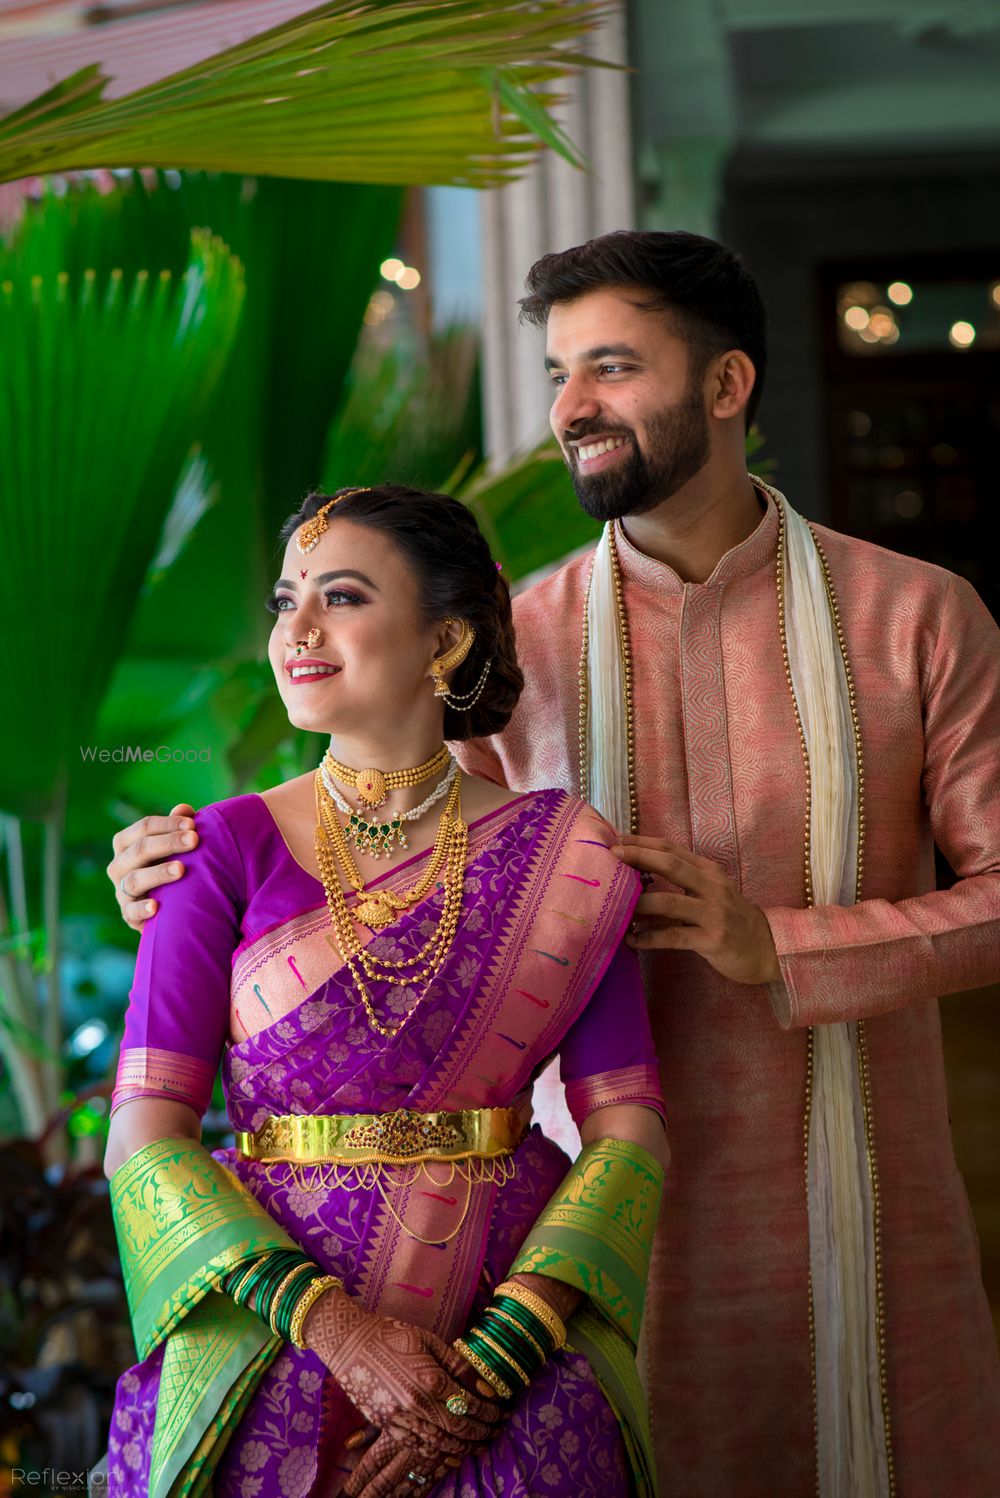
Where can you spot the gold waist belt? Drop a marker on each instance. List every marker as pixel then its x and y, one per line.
pixel 400 1138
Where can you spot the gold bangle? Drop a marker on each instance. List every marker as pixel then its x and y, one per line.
pixel 513 1321
pixel 483 1369
pixel 244 1275
pixel 502 1352
pixel 539 1307
pixel 276 1297
pixel 306 1301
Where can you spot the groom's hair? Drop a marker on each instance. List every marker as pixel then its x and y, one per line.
pixel 713 298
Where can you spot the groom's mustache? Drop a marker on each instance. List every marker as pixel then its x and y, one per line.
pixel 583 434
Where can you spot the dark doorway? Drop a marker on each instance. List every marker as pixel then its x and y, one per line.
pixel 911 351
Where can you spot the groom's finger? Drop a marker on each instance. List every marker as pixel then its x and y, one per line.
pixel 666 906
pixel 664 845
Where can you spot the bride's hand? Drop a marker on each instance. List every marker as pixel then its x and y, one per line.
pixel 388 1468
pixel 399 1377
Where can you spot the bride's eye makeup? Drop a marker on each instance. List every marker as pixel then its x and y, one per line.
pixel 341 596
pixel 280 603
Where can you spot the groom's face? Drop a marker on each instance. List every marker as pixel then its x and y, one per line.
pixel 629 414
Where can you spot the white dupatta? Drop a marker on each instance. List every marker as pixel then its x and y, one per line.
pixel 851 1437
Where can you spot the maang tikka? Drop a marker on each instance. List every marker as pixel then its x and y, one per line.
pixel 309 533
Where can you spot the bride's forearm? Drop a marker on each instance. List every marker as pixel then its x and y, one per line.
pixel 563 1299
pixel 330 1323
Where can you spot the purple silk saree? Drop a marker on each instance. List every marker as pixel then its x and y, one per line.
pixel 237 965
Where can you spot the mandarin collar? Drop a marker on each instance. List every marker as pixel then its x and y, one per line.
pixel 757 550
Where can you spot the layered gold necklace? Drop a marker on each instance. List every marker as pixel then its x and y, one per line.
pixel 377 908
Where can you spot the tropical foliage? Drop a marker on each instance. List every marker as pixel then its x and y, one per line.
pixel 376 92
pixel 176 349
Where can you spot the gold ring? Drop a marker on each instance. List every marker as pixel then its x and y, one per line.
pixel 457 1404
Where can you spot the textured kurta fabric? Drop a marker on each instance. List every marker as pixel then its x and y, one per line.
pixel 720 770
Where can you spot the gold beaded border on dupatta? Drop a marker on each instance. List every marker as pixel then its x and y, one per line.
pixel 625 653
pixel 864 1070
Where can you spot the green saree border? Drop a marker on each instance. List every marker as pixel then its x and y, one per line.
pixel 596 1234
pixel 183 1222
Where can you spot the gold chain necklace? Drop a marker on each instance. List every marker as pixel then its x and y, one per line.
pixel 625 655
pixel 373 786
pixel 377 908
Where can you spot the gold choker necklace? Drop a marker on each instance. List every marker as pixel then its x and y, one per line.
pixel 373 786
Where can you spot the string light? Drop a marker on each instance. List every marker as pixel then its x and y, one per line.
pixel 961 334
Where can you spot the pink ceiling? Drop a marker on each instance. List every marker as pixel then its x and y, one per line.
pixel 137 41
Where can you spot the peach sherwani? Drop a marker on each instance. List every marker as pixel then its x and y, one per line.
pixel 720 769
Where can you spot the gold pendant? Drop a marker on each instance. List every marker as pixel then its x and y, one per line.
pixel 371 787
pixel 374 912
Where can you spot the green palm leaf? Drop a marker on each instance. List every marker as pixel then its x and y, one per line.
pixel 377 91
pixel 529 511
pixel 101 380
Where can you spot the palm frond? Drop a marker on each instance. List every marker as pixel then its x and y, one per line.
pixel 377 91
pixel 529 511
pixel 101 380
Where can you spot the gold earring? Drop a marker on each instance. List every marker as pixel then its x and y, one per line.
pixel 452 658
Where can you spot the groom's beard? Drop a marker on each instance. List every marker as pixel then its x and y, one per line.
pixel 677 448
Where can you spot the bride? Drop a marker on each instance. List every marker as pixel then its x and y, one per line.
pixel 391 1282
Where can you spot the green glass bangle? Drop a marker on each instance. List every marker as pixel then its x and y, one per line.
pixel 496 1359
pixel 241 1282
pixel 527 1319
pixel 489 1357
pixel 521 1374
pixel 286 1297
pixel 264 1278
pixel 514 1339
pixel 268 1280
pixel 282 1313
pixel 494 1314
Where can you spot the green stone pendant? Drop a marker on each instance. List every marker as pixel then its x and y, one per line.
pixel 375 839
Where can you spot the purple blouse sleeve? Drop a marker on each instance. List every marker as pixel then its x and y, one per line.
pixel 178 1014
pixel 608 1055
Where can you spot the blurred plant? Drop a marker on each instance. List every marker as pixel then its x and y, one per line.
pixel 81 526
pixel 117 322
pixel 64 1333
pixel 411 411
pixel 350 92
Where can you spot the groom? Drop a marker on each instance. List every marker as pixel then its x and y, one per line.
pixel 792 719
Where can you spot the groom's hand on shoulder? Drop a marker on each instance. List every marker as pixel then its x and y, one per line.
pixel 705 912
pixel 144 857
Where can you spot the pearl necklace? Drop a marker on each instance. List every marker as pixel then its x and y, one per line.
pixel 376 838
